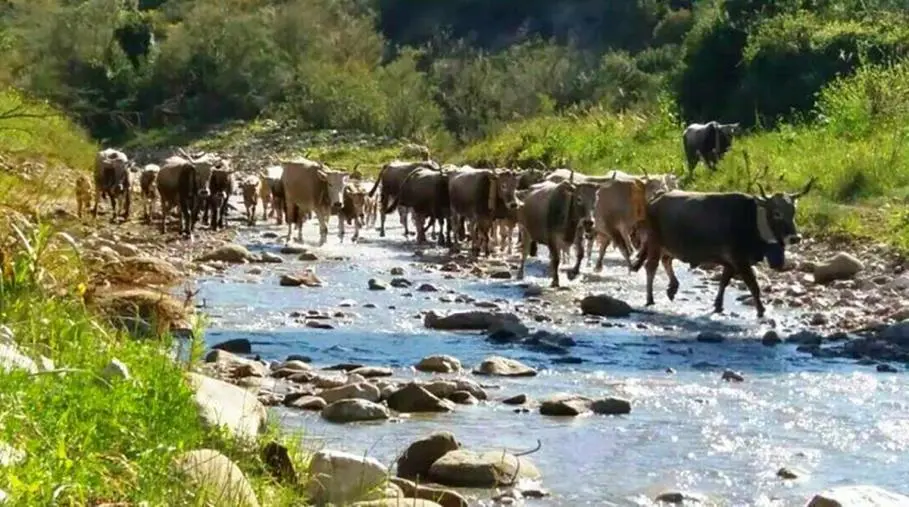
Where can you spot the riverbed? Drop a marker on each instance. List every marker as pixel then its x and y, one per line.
pixel 834 421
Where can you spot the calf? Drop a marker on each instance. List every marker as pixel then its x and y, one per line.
pixel 425 191
pixel 708 141
pixel 553 214
pixel 390 179
pixel 112 180
pixel 83 194
pixel 352 209
pixel 310 187
pixel 734 230
pixel 148 191
pixel 507 220
pixel 271 191
pixel 250 188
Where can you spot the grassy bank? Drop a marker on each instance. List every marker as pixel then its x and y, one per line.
pixel 862 167
pixel 85 437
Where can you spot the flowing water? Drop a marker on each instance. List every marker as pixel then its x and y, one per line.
pixel 838 422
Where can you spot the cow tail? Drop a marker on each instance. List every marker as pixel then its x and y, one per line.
pixel 375 185
pixel 640 257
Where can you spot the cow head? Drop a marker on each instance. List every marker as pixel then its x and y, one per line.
pixel 776 220
pixel 335 183
pixel 249 187
pixel 354 200
pixel 729 129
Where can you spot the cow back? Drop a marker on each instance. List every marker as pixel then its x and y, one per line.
pixel 304 185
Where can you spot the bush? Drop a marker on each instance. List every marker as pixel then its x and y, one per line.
pixel 873 97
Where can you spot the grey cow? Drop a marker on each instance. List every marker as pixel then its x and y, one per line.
pixel 390 178
pixel 734 230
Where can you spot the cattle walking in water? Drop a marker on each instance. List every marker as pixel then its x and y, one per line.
pixel 83 194
pixel 553 214
pixel 425 191
pixel 734 230
pixel 249 189
pixel 352 210
pixel 475 195
pixel 112 181
pixel 271 191
pixel 220 188
pixel 148 190
pixel 507 220
pixel 708 141
pixel 183 182
pixel 390 179
pixel 310 187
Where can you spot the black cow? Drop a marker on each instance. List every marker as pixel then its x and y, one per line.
pixel 220 188
pixel 184 181
pixel 112 180
pixel 734 230
pixel 709 141
pixel 425 192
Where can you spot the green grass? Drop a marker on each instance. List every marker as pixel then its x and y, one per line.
pixel 862 181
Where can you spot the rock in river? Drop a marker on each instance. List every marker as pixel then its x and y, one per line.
pixel 442 496
pixel 519 399
pixel 504 367
pixel 217 478
pixel 376 284
pixel 339 477
pixel 362 391
pixel 469 469
pixel 413 398
pixel 236 346
pixel 605 306
pixel 439 364
pixel 420 455
pixel 343 411
pixel 234 254
pixel 565 405
pixel 857 496
pixel 611 406
pixel 305 278
pixel 473 320
pixel 463 398
pixel 841 266
pixel 308 403
pixel 371 371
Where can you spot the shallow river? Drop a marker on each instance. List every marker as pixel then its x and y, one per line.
pixel 838 422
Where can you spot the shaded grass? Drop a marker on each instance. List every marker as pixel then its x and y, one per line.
pixel 862 182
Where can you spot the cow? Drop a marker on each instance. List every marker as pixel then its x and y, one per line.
pixel 425 192
pixel 352 209
pixel 310 187
pixel 708 141
pixel 732 229
pixel 183 181
pixel 220 188
pixel 148 191
pixel 506 220
pixel 475 195
pixel 390 178
pixel 271 191
pixel 553 214
pixel 83 194
pixel 112 180
pixel 619 208
pixel 250 188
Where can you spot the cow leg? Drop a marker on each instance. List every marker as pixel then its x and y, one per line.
pixel 525 250
pixel 747 276
pixel 653 260
pixel 290 223
pixel 419 221
pixel 97 200
pixel 383 202
pixel 403 215
pixel 555 253
pixel 358 223
pixel 579 246
pixel 341 230
pixel 725 278
pixel 113 207
pixel 673 287
pixel 605 240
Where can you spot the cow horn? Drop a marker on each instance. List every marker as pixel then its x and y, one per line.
pixel 805 190
pixel 571 177
pixel 540 164
pixel 763 194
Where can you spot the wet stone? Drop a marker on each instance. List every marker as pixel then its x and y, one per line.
pixel 316 324
pixel 376 284
pixel 427 287
pixel 771 338
pixel 710 337
pixel 886 368
pixel 788 473
pixel 733 376
pixel 400 283
pixel 519 399
pixel 396 271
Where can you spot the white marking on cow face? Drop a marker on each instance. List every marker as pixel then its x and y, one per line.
pixel 336 182
pixel 763 224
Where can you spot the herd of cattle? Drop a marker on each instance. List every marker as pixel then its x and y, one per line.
pixel 648 218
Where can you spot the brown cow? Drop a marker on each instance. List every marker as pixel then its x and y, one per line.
pixel 83 194
pixel 507 221
pixel 148 191
pixel 310 187
pixel 618 209
pixel 352 210
pixel 474 195
pixel 553 214
pixel 271 191
pixel 250 188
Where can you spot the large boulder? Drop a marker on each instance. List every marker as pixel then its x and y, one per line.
pixel 360 390
pixel 414 398
pixel 470 469
pixel 841 266
pixel 234 365
pixel 218 479
pixel 605 306
pixel 344 411
pixel 235 346
pixel 441 496
pixel 439 364
pixel 234 254
pixel 472 320
pixel 611 406
pixel 305 278
pixel 223 404
pixel 504 367
pixel 397 502
pixel 341 478
pixel 858 496
pixel 420 455
pixel 565 405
